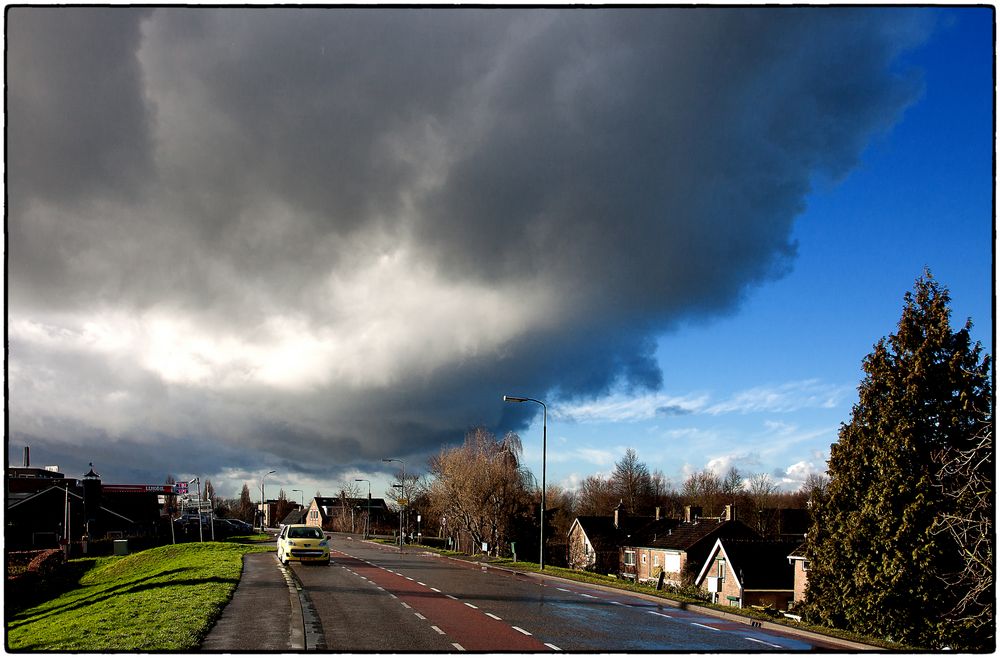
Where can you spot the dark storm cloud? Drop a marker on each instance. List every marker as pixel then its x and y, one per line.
pixel 438 206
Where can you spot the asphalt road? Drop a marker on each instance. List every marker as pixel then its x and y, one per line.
pixel 374 598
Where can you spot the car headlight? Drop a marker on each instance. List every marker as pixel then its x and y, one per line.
pixel 325 543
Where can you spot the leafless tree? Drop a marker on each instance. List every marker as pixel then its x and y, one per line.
pixel 596 497
pixel 631 482
pixel 965 477
pixel 481 487
pixel 703 489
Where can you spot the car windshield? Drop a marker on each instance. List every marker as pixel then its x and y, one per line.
pixel 305 533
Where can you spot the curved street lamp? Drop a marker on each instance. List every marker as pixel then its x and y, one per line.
pixel 368 515
pixel 541 548
pixel 402 494
pixel 262 500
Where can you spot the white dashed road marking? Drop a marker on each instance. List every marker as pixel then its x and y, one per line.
pixel 753 639
pixel 520 630
pixel 440 632
pixel 553 647
pixel 490 614
pixel 458 646
pixel 694 623
pixel 471 606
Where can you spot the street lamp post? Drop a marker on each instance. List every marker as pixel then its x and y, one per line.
pixel 201 536
pixel 368 511
pixel 402 495
pixel 302 504
pixel 541 548
pixel 263 501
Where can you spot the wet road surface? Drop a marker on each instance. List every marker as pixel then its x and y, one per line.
pixel 375 598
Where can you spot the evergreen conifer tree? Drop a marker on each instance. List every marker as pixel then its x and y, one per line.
pixel 878 558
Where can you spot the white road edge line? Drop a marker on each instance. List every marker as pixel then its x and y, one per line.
pixel 520 630
pixel 753 639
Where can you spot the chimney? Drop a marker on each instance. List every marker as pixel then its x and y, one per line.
pixel 730 514
pixel 27 457
pixel 691 513
pixel 619 514
pixel 657 513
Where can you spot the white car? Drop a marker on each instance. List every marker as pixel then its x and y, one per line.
pixel 305 543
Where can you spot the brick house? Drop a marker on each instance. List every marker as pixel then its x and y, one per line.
pixel 678 549
pixel 747 572
pixel 800 568
pixel 336 513
pixel 594 542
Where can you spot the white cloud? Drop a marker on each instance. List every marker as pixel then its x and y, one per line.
pixel 796 474
pixel 785 398
pixel 622 408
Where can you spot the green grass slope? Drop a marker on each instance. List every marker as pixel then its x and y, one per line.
pixel 163 599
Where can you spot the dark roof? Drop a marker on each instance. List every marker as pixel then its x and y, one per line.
pixel 603 534
pixel 799 551
pixel 295 516
pixel 761 564
pixel 334 502
pixel 684 536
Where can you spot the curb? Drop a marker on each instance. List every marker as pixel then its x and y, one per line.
pixel 296 620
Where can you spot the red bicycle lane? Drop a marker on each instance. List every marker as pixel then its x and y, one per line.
pixel 467 626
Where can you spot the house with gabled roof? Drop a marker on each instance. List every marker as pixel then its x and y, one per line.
pixel 746 572
pixel 594 542
pixel 678 550
pixel 335 512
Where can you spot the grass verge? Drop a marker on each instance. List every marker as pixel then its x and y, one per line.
pixel 162 599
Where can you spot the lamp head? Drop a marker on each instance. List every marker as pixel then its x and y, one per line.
pixel 511 398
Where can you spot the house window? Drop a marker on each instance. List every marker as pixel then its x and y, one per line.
pixel 630 558
pixel 644 558
pixel 805 565
pixel 722 570
pixel 314 515
pixel 656 560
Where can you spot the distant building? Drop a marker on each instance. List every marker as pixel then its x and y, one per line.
pixel 45 509
pixel 347 514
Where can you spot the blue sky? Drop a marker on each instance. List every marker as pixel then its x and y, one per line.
pixel 788 361
pixel 313 238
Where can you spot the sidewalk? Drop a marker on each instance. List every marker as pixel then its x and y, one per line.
pixel 264 614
